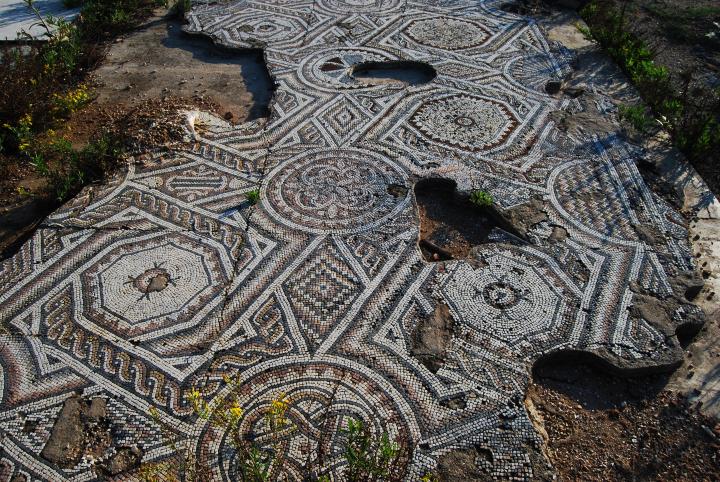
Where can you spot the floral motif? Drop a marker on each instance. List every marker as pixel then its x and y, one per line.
pixel 463 121
pixel 335 191
pixel 447 33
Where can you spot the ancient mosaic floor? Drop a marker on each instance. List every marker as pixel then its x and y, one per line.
pixel 167 278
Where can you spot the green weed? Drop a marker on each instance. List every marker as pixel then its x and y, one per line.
pixel 71 101
pixel 369 457
pixel 635 116
pixel 22 132
pixel 690 114
pixel 43 83
pixel 253 196
pixel 481 198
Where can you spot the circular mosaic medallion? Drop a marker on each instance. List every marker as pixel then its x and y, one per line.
pixel 447 33
pixel 463 121
pixel 501 295
pixel 334 191
pixel 361 6
pixel 321 397
pixel 329 70
pixel 507 298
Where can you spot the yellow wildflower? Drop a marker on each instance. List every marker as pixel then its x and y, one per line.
pixel 236 411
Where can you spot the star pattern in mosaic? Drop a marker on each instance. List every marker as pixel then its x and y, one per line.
pixel 167 278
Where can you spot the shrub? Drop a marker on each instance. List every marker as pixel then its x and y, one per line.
pixel 42 83
pixel 689 112
pixel 103 19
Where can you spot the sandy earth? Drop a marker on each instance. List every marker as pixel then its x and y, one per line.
pixel 159 59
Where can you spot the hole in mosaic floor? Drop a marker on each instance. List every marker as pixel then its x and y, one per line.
pixel 406 71
pixel 431 339
pixel 524 7
pixel 465 465
pixel 450 225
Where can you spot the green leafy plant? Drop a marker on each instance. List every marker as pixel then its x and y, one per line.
pixel 635 116
pixel 22 132
pixel 71 101
pixel 481 198
pixel 688 110
pixel 106 18
pixel 253 196
pixel 370 457
pixel 254 464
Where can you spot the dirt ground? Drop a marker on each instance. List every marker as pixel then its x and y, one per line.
pixel 603 427
pixel 685 37
pixel 682 33
pixel 450 225
pixel 155 70
pixel 159 59
pixel 600 426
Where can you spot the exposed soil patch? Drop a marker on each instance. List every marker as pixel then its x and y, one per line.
pixel 465 465
pixel 603 427
pixel 450 225
pixel 160 59
pixel 682 33
pixel 432 338
pixel 145 82
pixel 685 38
pixel 403 71
pixel 25 198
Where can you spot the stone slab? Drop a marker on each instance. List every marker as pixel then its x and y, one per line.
pixel 16 17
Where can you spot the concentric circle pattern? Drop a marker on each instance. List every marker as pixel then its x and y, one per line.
pixel 322 397
pixel 335 191
pixel 470 123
